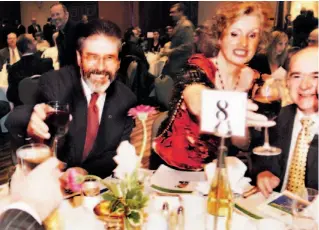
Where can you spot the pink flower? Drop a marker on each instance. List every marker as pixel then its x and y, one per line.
pixel 73 179
pixel 141 111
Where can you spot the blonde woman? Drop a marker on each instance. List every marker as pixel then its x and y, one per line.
pixel 270 62
pixel 240 30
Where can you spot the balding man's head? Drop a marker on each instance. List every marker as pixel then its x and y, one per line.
pixel 302 79
pixel 313 38
pixel 12 40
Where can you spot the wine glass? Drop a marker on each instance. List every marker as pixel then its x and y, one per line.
pixel 267 97
pixel 57 121
pixel 304 217
pixel 31 155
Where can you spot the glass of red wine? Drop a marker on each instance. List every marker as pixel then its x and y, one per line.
pixel 57 120
pixel 267 97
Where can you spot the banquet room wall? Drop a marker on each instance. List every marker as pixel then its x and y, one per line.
pixel 40 10
pixel 206 9
pixel 122 13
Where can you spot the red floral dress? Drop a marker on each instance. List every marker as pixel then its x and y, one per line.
pixel 179 142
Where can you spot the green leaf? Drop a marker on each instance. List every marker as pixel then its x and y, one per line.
pixel 135 218
pixel 108 196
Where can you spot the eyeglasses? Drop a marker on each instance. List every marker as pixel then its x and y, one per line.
pixel 95 59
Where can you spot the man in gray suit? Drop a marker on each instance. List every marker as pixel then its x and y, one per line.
pixel 11 53
pixel 32 206
pixel 181 43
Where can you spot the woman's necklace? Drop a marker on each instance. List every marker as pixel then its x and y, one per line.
pixel 221 80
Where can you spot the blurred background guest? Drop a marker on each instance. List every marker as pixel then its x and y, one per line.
pixel 10 54
pixel 67 34
pixel 48 30
pixel 288 26
pixel 20 29
pixel 29 65
pixel 155 44
pixel 52 52
pixel 34 27
pixel 41 44
pixel 270 62
pixel 181 46
pixel 313 38
pixel 84 19
pixel 267 61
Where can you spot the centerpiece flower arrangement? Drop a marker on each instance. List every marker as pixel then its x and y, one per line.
pixel 127 198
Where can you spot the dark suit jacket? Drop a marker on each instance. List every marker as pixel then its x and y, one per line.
pixel 66 43
pixel 26 67
pixel 32 30
pixel 280 136
pixel 115 126
pixel 14 219
pixel 4 108
pixel 182 47
pixel 20 30
pixel 5 56
pixel 48 31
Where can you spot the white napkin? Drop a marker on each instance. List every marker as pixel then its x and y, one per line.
pixel 235 169
pixel 312 210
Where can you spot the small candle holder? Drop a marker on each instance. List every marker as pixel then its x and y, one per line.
pixel 91 194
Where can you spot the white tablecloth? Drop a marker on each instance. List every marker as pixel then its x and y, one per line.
pixel 156 63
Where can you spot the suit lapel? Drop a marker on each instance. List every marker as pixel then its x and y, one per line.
pixel 79 109
pixel 312 157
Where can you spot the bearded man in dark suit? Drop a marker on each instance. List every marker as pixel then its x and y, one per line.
pixel 98 103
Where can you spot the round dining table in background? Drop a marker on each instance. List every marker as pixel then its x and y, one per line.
pixel 156 63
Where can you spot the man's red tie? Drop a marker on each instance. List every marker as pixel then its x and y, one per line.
pixel 92 125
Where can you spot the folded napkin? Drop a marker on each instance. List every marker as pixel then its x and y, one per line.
pixel 235 169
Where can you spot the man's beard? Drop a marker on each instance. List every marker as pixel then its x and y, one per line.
pixel 98 86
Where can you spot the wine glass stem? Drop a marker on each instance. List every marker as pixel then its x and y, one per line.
pixel 266 143
pixel 55 146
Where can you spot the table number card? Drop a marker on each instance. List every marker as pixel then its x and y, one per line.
pixel 223 112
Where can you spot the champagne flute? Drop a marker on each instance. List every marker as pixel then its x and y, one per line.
pixel 57 121
pixel 267 97
pixel 303 217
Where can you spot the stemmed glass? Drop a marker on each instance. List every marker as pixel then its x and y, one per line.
pixel 304 217
pixel 267 97
pixel 57 121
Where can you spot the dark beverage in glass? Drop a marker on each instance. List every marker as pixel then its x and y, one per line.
pixel 57 122
pixel 31 155
pixel 268 106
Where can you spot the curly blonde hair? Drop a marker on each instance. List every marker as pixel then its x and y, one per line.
pixel 229 12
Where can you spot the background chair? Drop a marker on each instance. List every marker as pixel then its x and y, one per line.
pixel 28 88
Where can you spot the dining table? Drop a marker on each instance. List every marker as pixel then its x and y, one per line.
pixel 156 62
pixel 245 215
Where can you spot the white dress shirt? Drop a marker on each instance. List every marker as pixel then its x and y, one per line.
pixel 296 129
pixel 17 55
pixel 100 101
